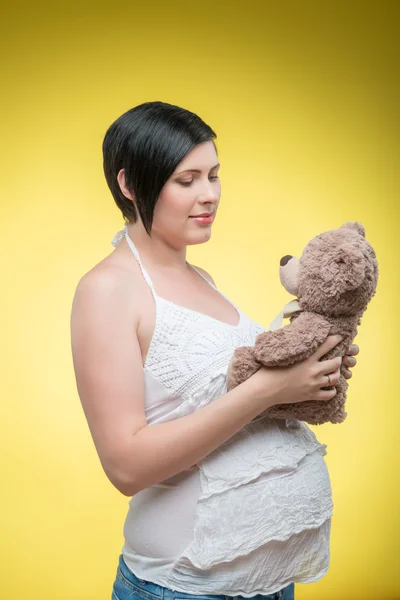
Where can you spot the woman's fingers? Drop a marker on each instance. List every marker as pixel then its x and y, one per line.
pixel 349 361
pixel 352 350
pixel 326 367
pixel 347 374
pixel 332 367
pixel 333 379
pixel 330 342
pixel 325 394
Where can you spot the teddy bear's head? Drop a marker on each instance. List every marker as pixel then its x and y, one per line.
pixel 336 274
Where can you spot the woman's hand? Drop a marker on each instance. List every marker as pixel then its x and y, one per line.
pixel 302 381
pixel 349 360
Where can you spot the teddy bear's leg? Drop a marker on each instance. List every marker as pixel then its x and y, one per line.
pixel 337 403
pixel 242 366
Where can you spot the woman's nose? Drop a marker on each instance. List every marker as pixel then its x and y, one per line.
pixel 211 198
pixel 211 192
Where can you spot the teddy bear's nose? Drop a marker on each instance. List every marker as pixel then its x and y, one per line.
pixel 285 259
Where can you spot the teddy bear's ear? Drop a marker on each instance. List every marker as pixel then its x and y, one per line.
pixel 346 272
pixel 354 225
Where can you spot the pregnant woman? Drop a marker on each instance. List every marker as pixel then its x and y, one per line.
pixel 224 502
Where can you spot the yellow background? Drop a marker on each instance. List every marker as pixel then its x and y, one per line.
pixel 304 99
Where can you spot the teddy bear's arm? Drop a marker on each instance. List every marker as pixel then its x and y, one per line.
pixel 293 343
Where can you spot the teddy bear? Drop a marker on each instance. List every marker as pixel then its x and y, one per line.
pixel 334 280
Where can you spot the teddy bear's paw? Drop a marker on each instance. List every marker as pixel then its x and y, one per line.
pixel 312 412
pixel 339 417
pixel 293 343
pixel 309 411
pixel 242 366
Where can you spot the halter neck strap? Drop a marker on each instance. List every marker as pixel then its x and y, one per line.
pixel 117 239
pixel 119 235
pixel 124 233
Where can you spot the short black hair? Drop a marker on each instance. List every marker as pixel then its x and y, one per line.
pixel 149 141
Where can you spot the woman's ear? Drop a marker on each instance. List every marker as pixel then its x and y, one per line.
pixel 122 184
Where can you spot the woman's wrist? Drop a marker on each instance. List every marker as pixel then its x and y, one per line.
pixel 261 388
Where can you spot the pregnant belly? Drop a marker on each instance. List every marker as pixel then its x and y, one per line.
pixel 160 520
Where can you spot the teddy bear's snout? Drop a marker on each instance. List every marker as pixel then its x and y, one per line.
pixel 289 273
pixel 285 260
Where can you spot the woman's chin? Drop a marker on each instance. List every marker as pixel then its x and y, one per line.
pixel 199 237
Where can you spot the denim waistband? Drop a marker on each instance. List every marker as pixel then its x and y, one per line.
pixel 152 591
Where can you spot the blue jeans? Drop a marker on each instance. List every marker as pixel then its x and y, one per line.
pixel 128 586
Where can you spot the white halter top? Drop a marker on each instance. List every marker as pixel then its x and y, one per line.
pixel 252 516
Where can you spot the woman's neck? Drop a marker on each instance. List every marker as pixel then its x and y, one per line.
pixel 155 250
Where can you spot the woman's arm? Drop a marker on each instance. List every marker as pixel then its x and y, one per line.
pixel 109 375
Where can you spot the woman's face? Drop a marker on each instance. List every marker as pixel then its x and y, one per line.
pixel 193 189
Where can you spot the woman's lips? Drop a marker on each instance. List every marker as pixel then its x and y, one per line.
pixel 206 219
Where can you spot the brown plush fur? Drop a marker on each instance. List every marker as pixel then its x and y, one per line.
pixel 334 281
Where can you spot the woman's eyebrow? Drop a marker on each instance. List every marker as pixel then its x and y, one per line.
pixel 197 170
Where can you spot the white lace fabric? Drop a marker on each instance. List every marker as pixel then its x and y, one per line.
pixel 262 518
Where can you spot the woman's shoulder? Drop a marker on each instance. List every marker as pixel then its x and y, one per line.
pixel 108 274
pixel 111 281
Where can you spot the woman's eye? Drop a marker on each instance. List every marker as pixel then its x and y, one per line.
pixel 187 183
